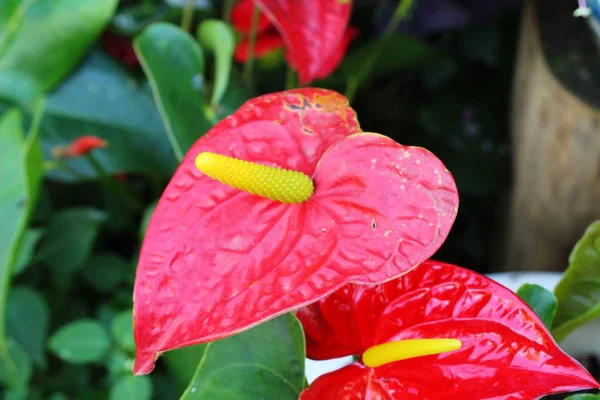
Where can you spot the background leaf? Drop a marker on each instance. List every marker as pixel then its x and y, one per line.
pixel 264 362
pixel 131 387
pixel 578 292
pixel 20 173
pixel 174 64
pixel 69 232
pixel 103 99
pixel 541 300
pixel 104 271
pixel 122 330
pixel 27 322
pixel 218 37
pixel 40 48
pixel 80 342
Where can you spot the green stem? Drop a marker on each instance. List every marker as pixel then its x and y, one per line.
pixel 227 7
pixel 188 15
pixel 290 79
pixel 112 184
pixel 400 14
pixel 251 44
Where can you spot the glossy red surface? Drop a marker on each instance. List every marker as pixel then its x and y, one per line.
pixel 507 353
pixel 216 261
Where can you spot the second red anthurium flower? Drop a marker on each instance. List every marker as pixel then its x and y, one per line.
pixel 302 203
pixel 438 332
pixel 315 33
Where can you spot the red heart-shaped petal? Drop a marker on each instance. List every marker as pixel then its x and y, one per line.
pixel 313 31
pixel 506 352
pixel 216 261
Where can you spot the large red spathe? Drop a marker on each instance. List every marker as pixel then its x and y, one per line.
pixel 216 261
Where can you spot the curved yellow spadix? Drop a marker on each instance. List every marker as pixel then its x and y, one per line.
pixel 386 353
pixel 269 182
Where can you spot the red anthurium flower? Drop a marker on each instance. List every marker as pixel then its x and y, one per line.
pixel 120 48
pixel 79 147
pixel 217 260
pixel 472 339
pixel 313 52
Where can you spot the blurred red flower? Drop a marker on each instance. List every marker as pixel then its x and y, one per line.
pixel 120 48
pixel 315 33
pixel 79 147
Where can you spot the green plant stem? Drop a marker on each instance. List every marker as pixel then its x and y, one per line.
pixel 112 185
pixel 290 79
pixel 400 14
pixel 188 15
pixel 227 7
pixel 251 44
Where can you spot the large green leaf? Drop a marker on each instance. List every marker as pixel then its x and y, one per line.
pixel 578 292
pixel 68 240
pixel 174 64
pixel 80 342
pixel 266 362
pixel 103 99
pixel 541 300
pixel 27 322
pixel 21 168
pixel 586 396
pixel 43 40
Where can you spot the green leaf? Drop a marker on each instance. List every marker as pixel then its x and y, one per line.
pixel 218 37
pixel 266 362
pixel 27 322
pixel 586 396
pixel 80 342
pixel 44 40
pixel 401 52
pixel 578 292
pixel 122 330
pixel 21 169
pixel 104 271
pixel 18 372
pixel 102 98
pixel 174 64
pixel 69 239
pixel 119 363
pixel 182 364
pixel 131 387
pixel 30 240
pixel 237 93
pixel 58 396
pixel 541 300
